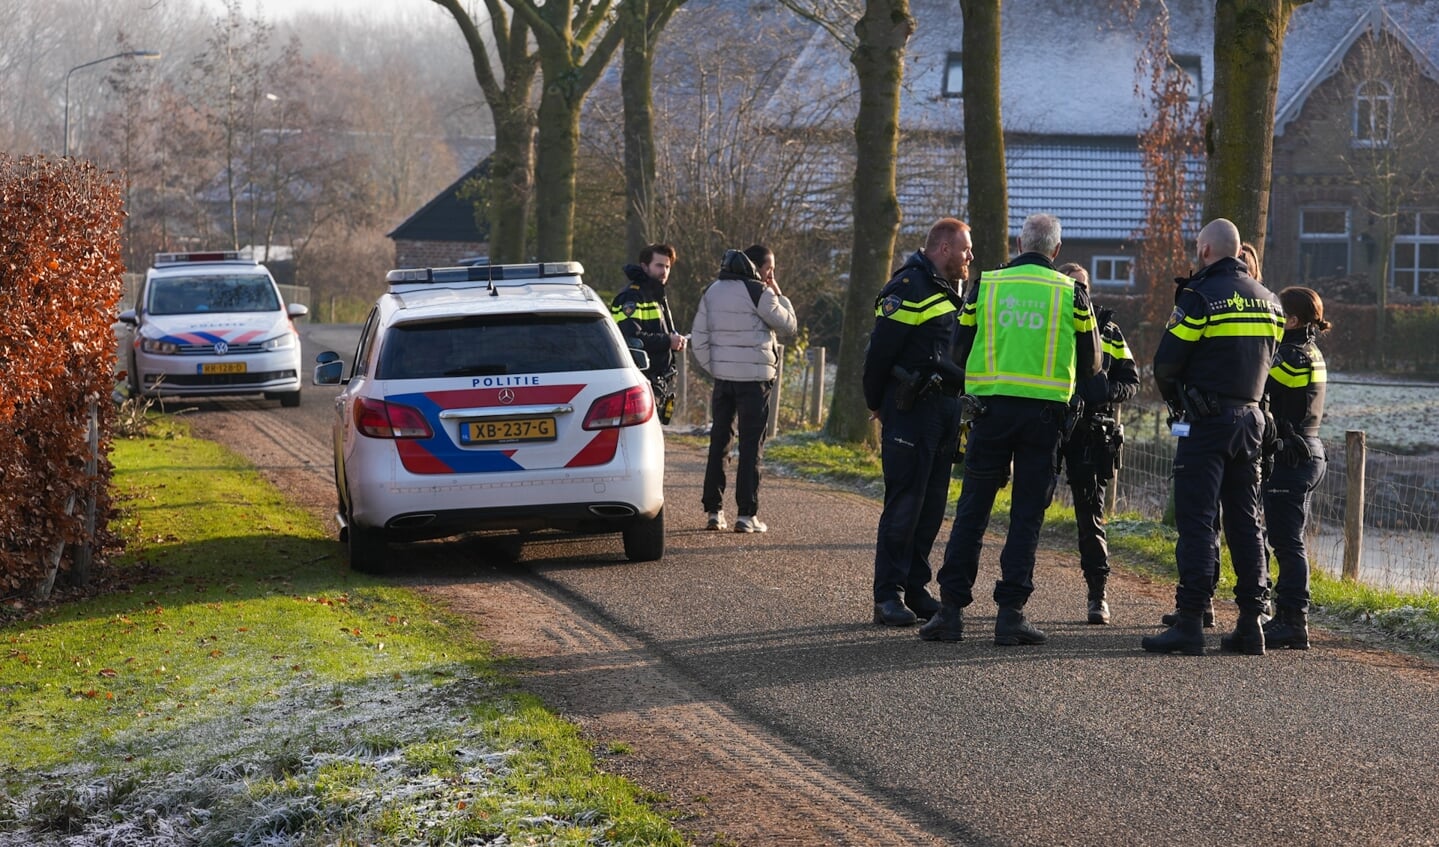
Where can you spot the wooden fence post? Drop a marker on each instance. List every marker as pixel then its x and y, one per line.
pixel 816 397
pixel 1354 456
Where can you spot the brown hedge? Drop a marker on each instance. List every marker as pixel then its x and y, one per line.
pixel 60 280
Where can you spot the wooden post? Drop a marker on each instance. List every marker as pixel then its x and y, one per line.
pixel 85 551
pixel 1354 456
pixel 775 395
pixel 816 397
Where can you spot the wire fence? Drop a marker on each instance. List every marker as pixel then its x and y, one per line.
pixel 1392 540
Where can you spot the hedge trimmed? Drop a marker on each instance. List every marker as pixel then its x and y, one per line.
pixel 60 280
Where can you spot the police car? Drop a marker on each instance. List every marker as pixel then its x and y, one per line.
pixel 493 397
pixel 212 323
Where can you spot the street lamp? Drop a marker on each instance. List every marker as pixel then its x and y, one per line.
pixel 129 54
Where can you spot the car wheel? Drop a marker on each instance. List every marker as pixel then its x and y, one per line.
pixel 645 539
pixel 368 551
pixel 290 399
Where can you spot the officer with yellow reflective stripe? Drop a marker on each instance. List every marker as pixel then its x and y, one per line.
pixel 643 314
pixel 911 384
pixel 1025 335
pixel 1212 363
pixel 1297 383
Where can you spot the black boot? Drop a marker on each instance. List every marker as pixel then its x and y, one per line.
pixel 893 613
pixel 1173 617
pixel 923 605
pixel 1247 637
pixel 1011 628
pixel 1098 612
pixel 1185 635
pixel 1288 629
pixel 946 625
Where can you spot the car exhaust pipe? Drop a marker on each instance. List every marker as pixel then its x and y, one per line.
pixel 612 511
pixel 412 521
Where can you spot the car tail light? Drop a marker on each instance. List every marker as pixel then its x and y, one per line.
pixel 379 419
pixel 623 408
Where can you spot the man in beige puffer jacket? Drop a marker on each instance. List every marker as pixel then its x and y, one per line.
pixel 736 338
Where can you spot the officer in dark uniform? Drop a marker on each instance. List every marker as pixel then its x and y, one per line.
pixel 643 313
pixel 1212 363
pixel 911 385
pixel 1297 383
pixel 1026 335
pixel 1091 452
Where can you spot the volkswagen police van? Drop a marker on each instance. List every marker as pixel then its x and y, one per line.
pixel 212 323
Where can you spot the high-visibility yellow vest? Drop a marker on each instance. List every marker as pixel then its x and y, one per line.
pixel 1025 320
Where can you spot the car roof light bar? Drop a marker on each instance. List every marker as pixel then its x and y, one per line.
pixel 208 256
pixel 557 273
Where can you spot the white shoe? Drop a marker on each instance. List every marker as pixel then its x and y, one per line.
pixel 749 523
pixel 716 520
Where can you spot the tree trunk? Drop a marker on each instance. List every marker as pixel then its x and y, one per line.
pixel 984 133
pixel 556 153
pixel 511 178
pixel 883 31
pixel 635 87
pixel 1239 138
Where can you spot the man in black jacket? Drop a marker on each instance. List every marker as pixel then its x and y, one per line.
pixel 643 313
pixel 1212 364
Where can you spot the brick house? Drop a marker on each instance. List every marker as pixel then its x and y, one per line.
pixel 443 231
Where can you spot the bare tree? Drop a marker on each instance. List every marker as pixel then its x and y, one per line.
pixel 984 132
pixel 505 68
pixel 1168 150
pixel 641 22
pixel 576 41
pixel 1239 137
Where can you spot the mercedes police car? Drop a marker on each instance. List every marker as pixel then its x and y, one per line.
pixel 212 323
pixel 493 397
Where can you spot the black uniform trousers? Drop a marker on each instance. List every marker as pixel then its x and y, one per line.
pixel 1024 433
pixel 1089 468
pixel 1216 479
pixel 917 453
pixel 1287 494
pixel 745 403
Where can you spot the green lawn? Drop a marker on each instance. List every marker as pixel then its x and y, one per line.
pixel 248 686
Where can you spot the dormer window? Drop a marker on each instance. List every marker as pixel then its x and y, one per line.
pixel 953 85
pixel 1373 105
pixel 1193 69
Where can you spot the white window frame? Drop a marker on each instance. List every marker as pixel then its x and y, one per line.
pixel 952 82
pixel 1192 67
pixel 1379 102
pixel 1412 239
pixel 1109 281
pixel 1345 238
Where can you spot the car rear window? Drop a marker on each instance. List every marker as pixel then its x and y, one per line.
pixel 500 344
pixel 183 295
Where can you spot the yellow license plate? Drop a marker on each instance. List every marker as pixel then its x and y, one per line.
pixel 507 432
pixel 223 368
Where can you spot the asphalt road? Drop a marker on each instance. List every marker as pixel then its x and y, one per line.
pixel 1085 740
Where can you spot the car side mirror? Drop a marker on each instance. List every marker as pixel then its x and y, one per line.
pixel 297 310
pixel 642 359
pixel 330 368
pixel 128 317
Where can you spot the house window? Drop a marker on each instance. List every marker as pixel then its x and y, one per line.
pixel 1112 272
pixel 953 76
pixel 1415 268
pixel 1323 243
pixel 1373 102
pixel 1192 68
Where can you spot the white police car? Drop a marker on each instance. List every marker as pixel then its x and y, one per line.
pixel 494 397
pixel 212 323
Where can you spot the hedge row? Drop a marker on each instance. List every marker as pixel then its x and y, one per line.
pixel 60 270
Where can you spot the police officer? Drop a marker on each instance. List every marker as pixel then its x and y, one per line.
pixel 1212 363
pixel 911 385
pixel 1025 334
pixel 1091 452
pixel 1297 383
pixel 643 313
